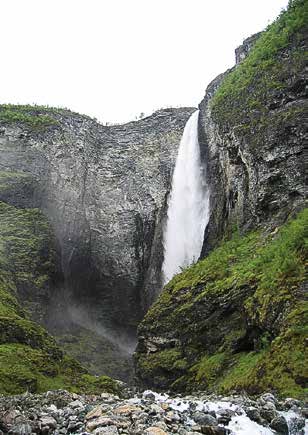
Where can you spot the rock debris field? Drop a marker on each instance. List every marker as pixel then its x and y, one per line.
pixel 149 413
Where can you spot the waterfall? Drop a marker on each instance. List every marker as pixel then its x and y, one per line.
pixel 188 205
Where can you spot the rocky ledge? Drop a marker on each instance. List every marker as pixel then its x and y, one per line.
pixel 149 413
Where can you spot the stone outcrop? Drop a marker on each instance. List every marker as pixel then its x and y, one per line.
pixel 103 190
pixel 242 51
pixel 232 321
pixel 254 145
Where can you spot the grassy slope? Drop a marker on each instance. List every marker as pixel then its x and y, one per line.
pixel 254 284
pixel 29 357
pixel 242 99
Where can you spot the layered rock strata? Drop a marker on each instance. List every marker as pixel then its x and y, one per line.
pixel 103 190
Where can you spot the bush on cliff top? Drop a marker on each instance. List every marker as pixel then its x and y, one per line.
pixel 32 116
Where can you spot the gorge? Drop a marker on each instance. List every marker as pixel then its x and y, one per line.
pixel 191 252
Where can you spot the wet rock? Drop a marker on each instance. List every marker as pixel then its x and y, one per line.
pixel 305 412
pixel 280 425
pixel 74 426
pixel 254 414
pixel 225 416
pixel 269 397
pixel 215 430
pixel 149 396
pixel 224 420
pixel 196 428
pixel 204 419
pixel 268 412
pixel 291 403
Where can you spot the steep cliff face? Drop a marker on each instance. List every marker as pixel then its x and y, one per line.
pixel 253 129
pixel 103 190
pixel 235 319
pixel 30 359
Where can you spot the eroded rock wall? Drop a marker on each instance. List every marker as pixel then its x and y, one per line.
pixel 255 155
pixel 235 320
pixel 104 192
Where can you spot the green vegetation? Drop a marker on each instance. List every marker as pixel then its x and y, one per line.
pixel 12 182
pixel 243 95
pixel 208 368
pixel 239 315
pixel 164 359
pixel 33 120
pixel 163 367
pixel 23 368
pixel 96 352
pixel 31 116
pixel 27 254
pixel 30 359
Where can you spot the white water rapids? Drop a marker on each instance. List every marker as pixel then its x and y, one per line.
pixel 240 423
pixel 188 205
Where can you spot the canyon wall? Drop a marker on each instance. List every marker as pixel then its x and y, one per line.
pixel 103 190
pixel 236 319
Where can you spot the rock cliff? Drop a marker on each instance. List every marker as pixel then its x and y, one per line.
pixel 103 190
pixel 252 132
pixel 235 320
pixel 30 359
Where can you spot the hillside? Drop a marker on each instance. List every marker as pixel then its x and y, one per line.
pixel 236 320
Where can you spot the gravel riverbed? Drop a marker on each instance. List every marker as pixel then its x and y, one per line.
pixel 150 413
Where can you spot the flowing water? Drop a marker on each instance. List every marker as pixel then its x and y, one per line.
pixel 240 423
pixel 188 205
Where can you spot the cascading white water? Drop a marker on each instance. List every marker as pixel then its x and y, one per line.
pixel 188 205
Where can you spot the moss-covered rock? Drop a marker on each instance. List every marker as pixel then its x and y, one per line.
pixel 27 256
pixel 17 188
pixel 23 368
pixel 262 78
pixel 97 353
pixel 235 320
pixel 30 359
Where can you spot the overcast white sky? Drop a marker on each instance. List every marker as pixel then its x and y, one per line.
pixel 113 59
